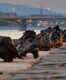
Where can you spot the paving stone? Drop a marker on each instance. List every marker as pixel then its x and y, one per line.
pixel 51 67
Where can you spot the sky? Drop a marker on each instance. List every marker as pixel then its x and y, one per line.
pixel 56 5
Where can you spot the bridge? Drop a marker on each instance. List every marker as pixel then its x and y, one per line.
pixel 32 17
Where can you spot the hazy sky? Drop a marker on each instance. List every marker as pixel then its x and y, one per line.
pixel 58 5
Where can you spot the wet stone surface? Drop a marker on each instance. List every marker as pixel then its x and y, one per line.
pixel 51 67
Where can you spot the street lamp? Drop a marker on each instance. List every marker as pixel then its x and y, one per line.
pixel 54 17
pixel 14 11
pixel 48 11
pixel 55 13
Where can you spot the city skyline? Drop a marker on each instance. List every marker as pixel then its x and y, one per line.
pixel 57 5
